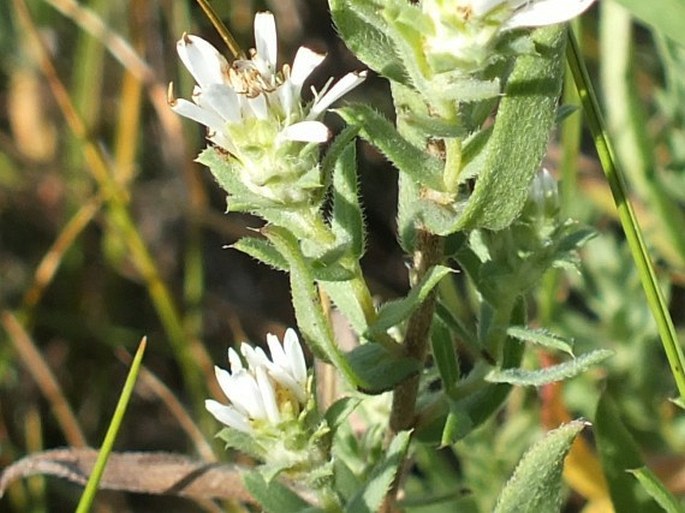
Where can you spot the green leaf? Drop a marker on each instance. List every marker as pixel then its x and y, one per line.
pixel 222 168
pixel 536 483
pixel 369 499
pixel 275 497
pixel 343 296
pixel 261 250
pixel 424 168
pixel 541 337
pixel 444 355
pixel 666 16
pixel 340 410
pixel 378 368
pixel 347 221
pixel 308 310
pixel 394 312
pixel 243 442
pixel 365 33
pixel 619 453
pixel 656 489
pixel 481 405
pixel 537 378
pixel 525 117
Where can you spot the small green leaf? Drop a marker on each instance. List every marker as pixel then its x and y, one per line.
pixel 222 168
pixel 536 483
pixel 394 312
pixel 343 296
pixel 308 310
pixel 424 168
pixel 378 369
pixel 275 497
pixel 261 250
pixel 537 378
pixel 541 337
pixel 656 489
pixel 340 410
pixel 365 33
pixel 243 442
pixel 444 355
pixel 347 220
pixel 619 453
pixel 369 499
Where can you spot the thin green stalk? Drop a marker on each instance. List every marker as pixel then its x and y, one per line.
pixel 88 496
pixel 614 175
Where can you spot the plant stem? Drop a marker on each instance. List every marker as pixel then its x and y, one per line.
pixel 428 253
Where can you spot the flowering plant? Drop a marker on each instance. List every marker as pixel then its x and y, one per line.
pixel 445 69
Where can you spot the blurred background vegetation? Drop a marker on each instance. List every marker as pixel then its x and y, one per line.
pixel 110 232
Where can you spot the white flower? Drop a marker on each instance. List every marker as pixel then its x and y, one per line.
pixel 526 13
pixel 463 32
pixel 538 13
pixel 230 98
pixel 266 390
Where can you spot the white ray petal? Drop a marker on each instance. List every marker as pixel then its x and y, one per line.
pixel 276 350
pixel 258 106
pixel 202 60
pixel 481 7
pixel 305 62
pixel 228 416
pixel 266 42
pixel 223 140
pixel 227 384
pixel 222 99
pixel 547 12
pixel 268 396
pixel 192 111
pixel 255 356
pixel 234 360
pixel 306 131
pixel 245 395
pixel 339 89
pixel 293 351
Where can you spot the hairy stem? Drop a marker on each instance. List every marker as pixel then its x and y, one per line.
pixel 429 252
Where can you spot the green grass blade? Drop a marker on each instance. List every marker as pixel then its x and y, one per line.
pixel 655 298
pixel 88 496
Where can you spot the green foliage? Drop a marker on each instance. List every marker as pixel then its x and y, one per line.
pixel 379 370
pixel 657 490
pixel 422 167
pixel 347 220
pixel 541 337
pixel 370 497
pixel 559 372
pixel 393 313
pixel 275 497
pixel 536 483
pixel 311 319
pixel 365 32
pixel 619 454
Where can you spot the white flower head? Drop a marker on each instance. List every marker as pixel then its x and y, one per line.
pixel 266 391
pixel 463 32
pixel 252 109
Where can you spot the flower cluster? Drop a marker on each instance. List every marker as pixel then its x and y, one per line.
pixel 266 391
pixel 253 110
pixel 463 35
